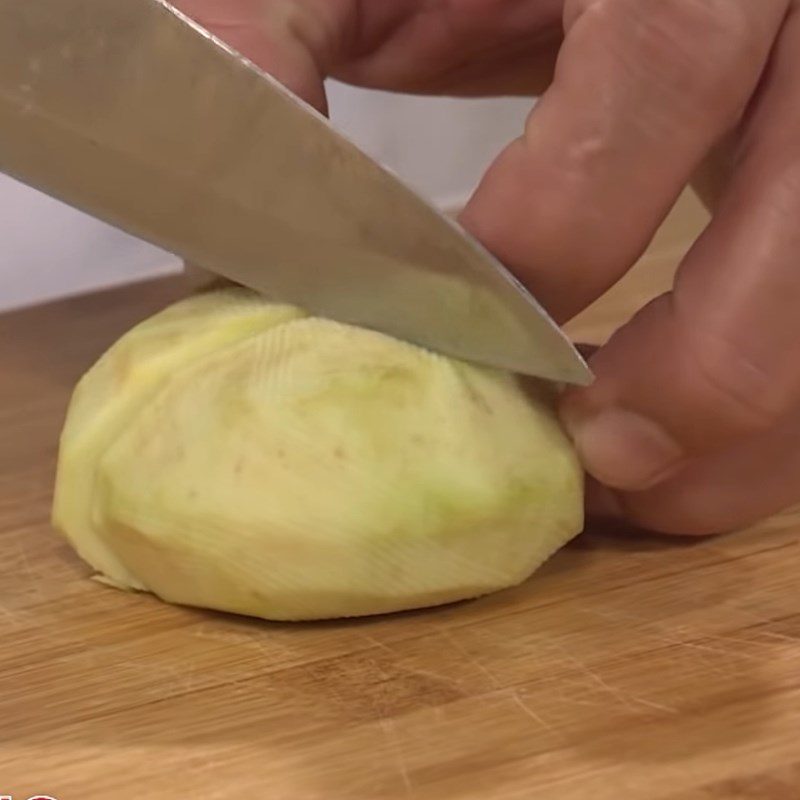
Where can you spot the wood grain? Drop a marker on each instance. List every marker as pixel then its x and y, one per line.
pixel 630 667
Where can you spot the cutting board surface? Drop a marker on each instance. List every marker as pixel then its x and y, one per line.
pixel 628 667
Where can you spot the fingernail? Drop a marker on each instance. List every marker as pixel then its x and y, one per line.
pixel 622 449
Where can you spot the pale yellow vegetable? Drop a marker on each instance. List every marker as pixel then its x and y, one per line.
pixel 242 456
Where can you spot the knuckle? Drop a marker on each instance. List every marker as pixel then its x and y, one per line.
pixel 591 12
pixel 720 23
pixel 736 390
pixel 696 49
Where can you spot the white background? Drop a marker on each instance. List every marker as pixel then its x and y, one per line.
pixel 439 146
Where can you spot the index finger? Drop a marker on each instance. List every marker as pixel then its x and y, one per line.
pixel 642 90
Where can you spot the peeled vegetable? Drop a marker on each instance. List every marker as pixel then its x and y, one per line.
pixel 242 456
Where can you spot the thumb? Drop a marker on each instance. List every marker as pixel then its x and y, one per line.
pixel 672 388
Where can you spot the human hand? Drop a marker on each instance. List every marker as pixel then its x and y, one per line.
pixel 693 424
pixel 471 47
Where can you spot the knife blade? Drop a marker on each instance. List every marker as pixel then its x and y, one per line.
pixel 134 114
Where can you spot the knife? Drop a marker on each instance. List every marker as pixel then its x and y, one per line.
pixel 129 111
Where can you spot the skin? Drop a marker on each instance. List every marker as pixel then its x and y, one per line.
pixel 693 423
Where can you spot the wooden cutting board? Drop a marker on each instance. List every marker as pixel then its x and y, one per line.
pixel 629 667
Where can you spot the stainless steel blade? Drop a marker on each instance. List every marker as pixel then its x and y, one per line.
pixel 129 111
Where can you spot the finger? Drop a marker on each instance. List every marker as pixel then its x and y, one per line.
pixel 474 47
pixel 729 490
pixel 710 181
pixel 715 361
pixel 289 40
pixel 641 91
